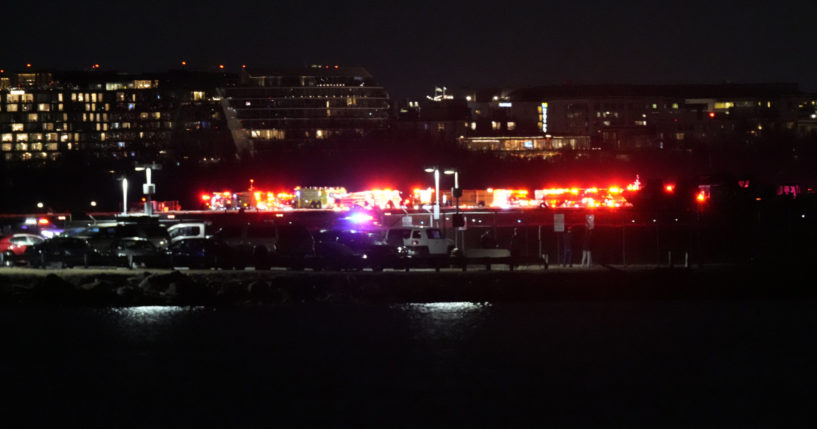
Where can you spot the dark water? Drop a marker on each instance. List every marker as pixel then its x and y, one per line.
pixel 575 364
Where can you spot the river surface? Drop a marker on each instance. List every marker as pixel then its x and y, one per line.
pixel 459 364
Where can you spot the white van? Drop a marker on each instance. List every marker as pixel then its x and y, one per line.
pixel 417 241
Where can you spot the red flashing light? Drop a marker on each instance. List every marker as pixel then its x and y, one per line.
pixel 669 189
pixel 243 66
pixel 221 66
pixel 711 114
pixel 205 197
pixel 336 66
pixel 701 197
pixel 43 221
pixel 184 63
pixel 28 65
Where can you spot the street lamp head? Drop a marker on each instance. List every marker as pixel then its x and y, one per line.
pixel 40 205
pixel 430 170
pixel 450 171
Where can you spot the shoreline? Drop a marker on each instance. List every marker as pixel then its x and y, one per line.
pixel 125 288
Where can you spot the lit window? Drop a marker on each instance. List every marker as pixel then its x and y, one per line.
pixel 52 147
pixel 36 146
pixel 6 147
pixel 198 95
pixel 511 126
pixel 17 127
pixel 11 108
pixel 496 125
pixel 43 107
pixel 32 117
pixel 7 137
pixel 73 96
pixel 473 125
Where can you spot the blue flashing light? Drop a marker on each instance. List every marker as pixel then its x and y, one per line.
pixel 359 217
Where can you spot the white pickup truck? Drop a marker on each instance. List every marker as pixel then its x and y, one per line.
pixel 416 241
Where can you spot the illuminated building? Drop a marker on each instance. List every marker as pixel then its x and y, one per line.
pixel 45 115
pixel 526 146
pixel 625 117
pixel 273 107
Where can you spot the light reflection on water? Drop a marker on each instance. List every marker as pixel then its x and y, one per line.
pixel 444 320
pixel 445 309
pixel 153 313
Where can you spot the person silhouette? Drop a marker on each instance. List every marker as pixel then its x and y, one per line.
pixel 567 247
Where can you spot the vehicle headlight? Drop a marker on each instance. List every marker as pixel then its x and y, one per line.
pixel 365 256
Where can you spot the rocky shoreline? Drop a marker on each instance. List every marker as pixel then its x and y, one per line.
pixel 124 289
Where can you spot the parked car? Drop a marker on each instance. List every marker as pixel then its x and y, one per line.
pixel 62 252
pixel 102 236
pixel 416 242
pixel 351 249
pixel 13 246
pixel 134 252
pixel 201 253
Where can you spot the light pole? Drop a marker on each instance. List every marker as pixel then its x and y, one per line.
pixel 148 188
pixel 124 196
pixel 456 177
pixel 456 192
pixel 436 172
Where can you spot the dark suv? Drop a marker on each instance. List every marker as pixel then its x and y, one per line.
pixel 264 244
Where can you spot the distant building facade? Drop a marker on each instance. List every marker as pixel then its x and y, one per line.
pixel 46 115
pixel 272 107
pixel 634 117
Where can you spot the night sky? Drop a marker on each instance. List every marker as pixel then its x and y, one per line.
pixel 413 46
